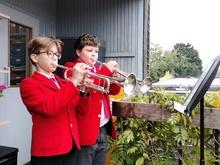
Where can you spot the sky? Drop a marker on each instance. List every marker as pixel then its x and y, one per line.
pixel 187 21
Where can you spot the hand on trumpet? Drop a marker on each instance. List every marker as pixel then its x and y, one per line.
pixel 113 67
pixel 79 72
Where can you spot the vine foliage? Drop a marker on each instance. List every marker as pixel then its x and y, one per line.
pixel 142 142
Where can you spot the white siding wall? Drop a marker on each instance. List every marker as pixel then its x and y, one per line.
pixel 18 132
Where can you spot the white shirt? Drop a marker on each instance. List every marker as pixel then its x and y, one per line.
pixel 103 119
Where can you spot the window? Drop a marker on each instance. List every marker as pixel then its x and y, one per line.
pixel 19 60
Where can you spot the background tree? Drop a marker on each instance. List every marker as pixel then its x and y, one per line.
pixel 160 62
pixel 189 64
pixel 182 61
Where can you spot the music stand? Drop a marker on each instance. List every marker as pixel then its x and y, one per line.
pixel 200 88
pixel 196 96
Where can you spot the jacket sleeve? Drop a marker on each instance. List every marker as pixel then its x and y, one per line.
pixel 45 101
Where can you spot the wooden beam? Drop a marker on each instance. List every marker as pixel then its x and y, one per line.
pixel 151 112
pixel 159 113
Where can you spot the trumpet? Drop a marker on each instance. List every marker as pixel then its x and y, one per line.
pixel 104 81
pixel 144 85
pixel 104 88
pixel 131 82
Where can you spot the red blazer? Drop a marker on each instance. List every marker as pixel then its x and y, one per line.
pixel 53 113
pixel 89 124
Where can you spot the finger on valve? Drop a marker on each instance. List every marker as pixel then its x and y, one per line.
pixel 82 66
pixel 88 80
pixel 78 73
pixel 113 66
pixel 116 73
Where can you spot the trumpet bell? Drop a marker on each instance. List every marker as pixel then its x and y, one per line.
pixel 145 85
pixel 130 84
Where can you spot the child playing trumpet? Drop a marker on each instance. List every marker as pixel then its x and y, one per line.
pixel 97 123
pixel 53 104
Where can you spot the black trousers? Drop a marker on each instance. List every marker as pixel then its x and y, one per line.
pixel 95 154
pixel 66 159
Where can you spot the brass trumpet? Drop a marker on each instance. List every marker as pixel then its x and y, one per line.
pixel 144 85
pixel 131 82
pixel 104 85
pixel 103 88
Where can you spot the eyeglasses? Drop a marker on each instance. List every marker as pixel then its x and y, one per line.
pixel 52 55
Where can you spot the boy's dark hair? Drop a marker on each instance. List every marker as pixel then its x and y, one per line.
pixel 86 39
pixel 36 44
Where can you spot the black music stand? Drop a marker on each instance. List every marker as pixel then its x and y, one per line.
pixel 196 96
pixel 200 88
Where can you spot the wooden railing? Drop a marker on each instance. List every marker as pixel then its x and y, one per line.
pixel 156 112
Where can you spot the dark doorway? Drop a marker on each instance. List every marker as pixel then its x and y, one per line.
pixel 68 53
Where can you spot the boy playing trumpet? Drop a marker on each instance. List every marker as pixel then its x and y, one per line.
pixel 97 123
pixel 53 104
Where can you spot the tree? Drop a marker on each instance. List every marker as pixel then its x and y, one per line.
pixel 160 62
pixel 188 62
pixel 182 61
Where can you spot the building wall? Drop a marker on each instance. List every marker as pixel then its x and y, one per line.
pixel 18 132
pixel 117 22
pixel 4 45
pixel 43 10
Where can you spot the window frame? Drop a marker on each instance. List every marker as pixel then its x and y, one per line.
pixel 28 65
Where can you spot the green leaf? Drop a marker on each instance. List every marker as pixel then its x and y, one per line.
pixel 129 136
pixel 140 161
pixel 176 129
pixel 131 150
